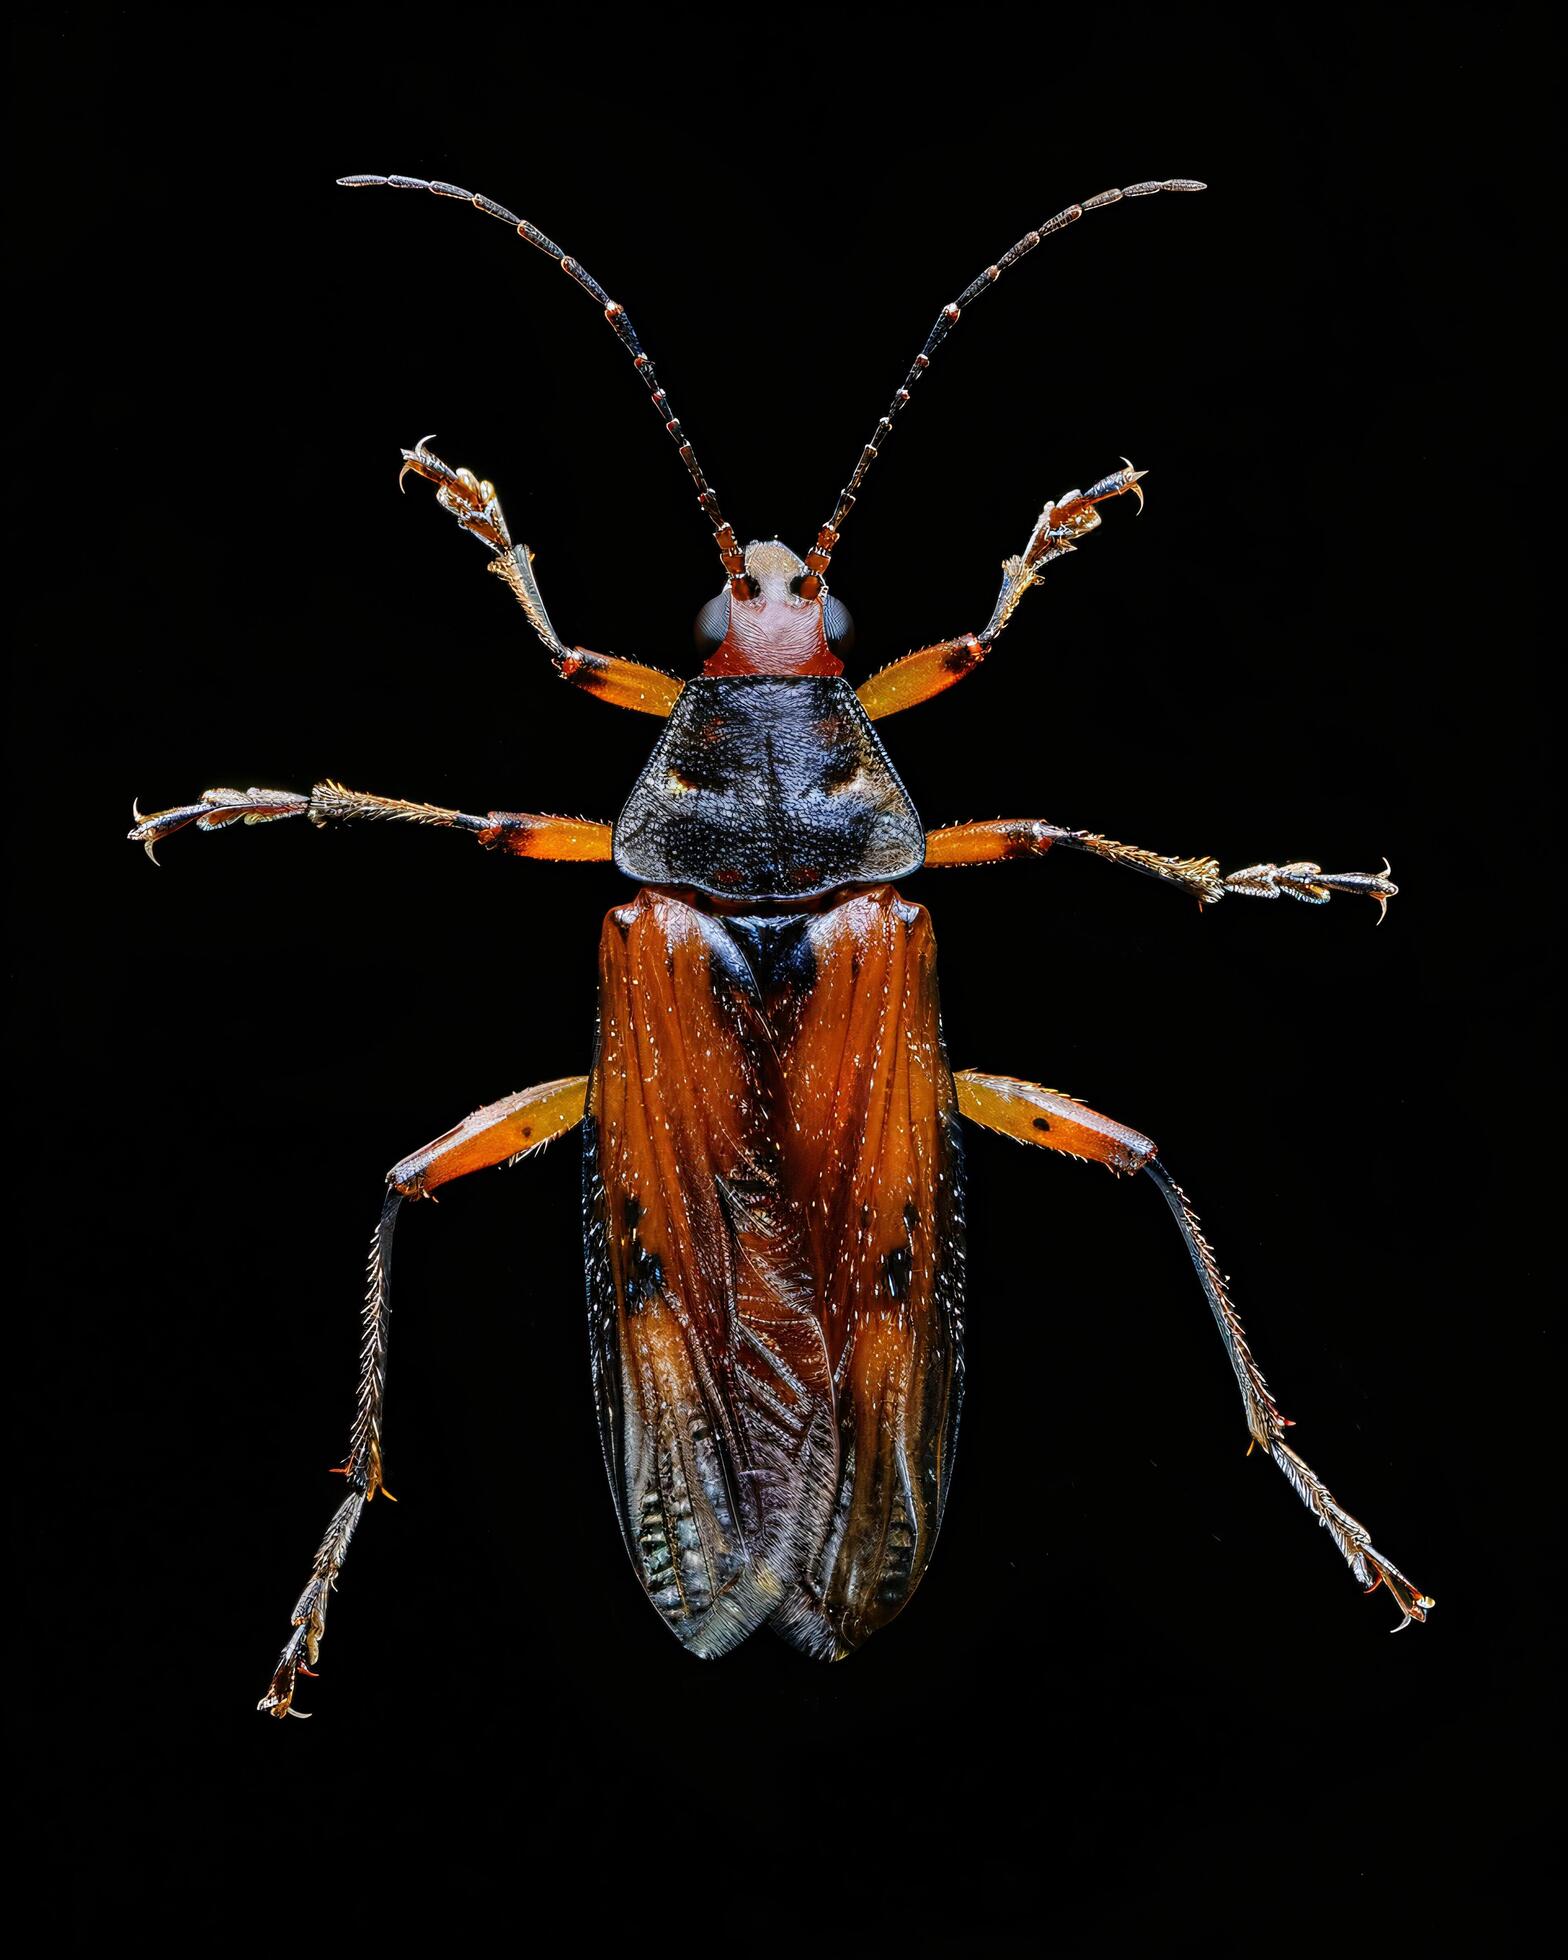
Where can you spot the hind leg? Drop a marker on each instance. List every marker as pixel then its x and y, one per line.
pixel 497 1134
pixel 1030 1114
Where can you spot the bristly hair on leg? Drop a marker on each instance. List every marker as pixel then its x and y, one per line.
pixel 1268 1426
pixel 362 1467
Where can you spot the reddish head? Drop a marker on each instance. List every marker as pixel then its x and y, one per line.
pixel 775 618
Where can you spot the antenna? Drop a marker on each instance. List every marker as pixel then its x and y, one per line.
pixel 817 559
pixel 729 548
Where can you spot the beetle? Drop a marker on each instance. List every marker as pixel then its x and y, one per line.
pixel 773 1174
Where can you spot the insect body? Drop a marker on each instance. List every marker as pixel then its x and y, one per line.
pixel 773 1184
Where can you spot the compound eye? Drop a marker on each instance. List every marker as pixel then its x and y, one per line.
pixel 837 624
pixel 712 623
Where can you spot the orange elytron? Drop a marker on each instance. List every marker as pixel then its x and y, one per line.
pixel 773 1168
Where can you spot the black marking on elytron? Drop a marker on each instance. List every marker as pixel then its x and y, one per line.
pixel 645 1281
pixel 768 788
pixel 898 1266
pixel 1041 1124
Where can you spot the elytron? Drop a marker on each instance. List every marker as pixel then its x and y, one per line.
pixel 772 1163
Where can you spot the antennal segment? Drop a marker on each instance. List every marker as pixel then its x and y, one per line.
pixel 729 548
pixel 817 559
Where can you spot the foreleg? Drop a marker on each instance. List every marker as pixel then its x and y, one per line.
pixel 623 683
pixel 498 1134
pixel 1054 1122
pixel 931 669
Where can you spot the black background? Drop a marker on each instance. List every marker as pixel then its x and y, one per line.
pixel 1137 1696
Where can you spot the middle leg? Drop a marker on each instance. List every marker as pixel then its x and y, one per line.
pixel 566 839
pixel 1003 838
pixel 1030 1114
